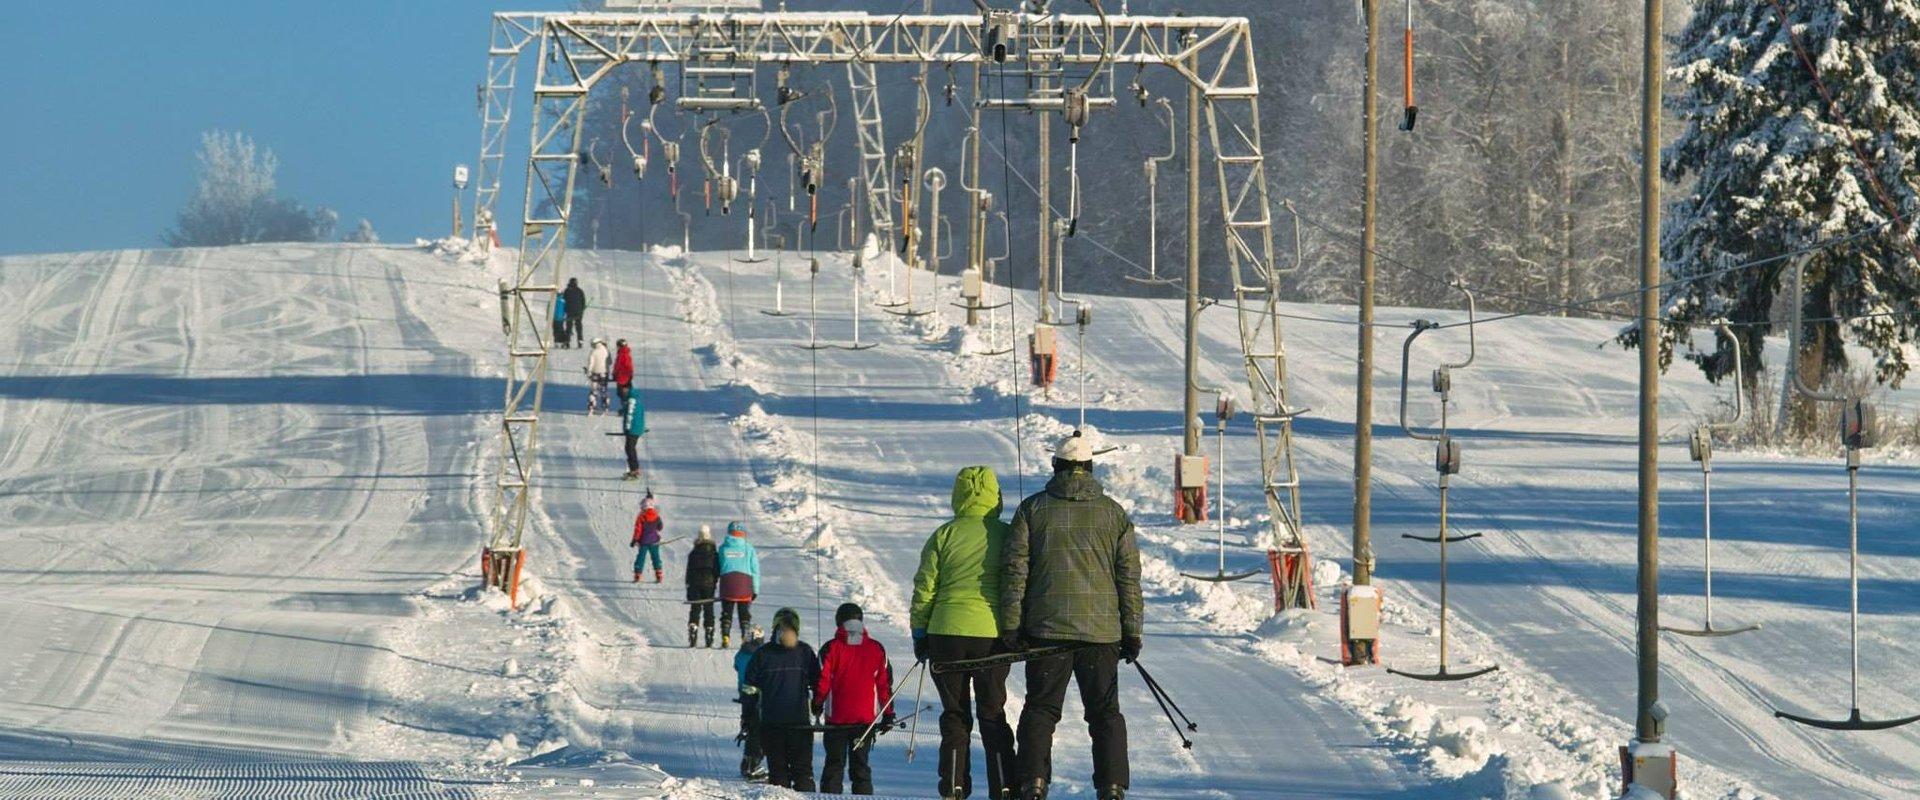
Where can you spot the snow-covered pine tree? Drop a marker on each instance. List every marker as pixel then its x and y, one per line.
pixel 1770 168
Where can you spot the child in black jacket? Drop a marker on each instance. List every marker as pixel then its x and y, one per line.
pixel 703 577
pixel 783 674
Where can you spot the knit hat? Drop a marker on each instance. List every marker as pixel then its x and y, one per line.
pixel 786 618
pixel 736 529
pixel 846 612
pixel 648 502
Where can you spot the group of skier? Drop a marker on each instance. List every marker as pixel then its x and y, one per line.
pixel 1057 588
pixel 726 574
pixel 615 369
pixel 569 315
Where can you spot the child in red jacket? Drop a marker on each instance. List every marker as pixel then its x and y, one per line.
pixel 856 683
pixel 646 539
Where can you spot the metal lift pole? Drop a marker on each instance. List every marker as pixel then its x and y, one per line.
pixel 1190 422
pixel 1363 382
pixel 1042 253
pixel 1649 726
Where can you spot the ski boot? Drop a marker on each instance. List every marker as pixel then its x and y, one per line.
pixel 693 635
pixel 726 640
pixel 1113 793
pixel 636 576
pixel 659 576
pixel 709 635
pixel 631 475
pixel 1035 790
pixel 751 771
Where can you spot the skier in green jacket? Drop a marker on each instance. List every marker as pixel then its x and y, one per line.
pixel 1071 578
pixel 955 594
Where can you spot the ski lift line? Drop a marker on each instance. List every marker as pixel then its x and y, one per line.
pixel 1013 308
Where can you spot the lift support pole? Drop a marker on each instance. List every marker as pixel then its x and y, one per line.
pixel 1648 761
pixel 1190 423
pixel 1363 382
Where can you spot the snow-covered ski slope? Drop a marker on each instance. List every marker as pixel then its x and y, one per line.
pixel 241 488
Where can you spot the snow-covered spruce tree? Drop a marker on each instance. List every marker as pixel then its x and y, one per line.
pixel 234 201
pixel 362 233
pixel 1771 169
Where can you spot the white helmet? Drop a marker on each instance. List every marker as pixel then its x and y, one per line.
pixel 1074 448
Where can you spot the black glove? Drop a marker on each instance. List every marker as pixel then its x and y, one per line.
pixel 887 722
pixel 922 651
pixel 1013 641
pixel 1130 648
pixel 740 738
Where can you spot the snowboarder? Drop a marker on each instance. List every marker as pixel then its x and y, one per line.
pixel 1072 577
pixel 646 539
pixel 856 685
pixel 749 736
pixel 560 322
pixel 955 594
pixel 783 675
pixel 633 425
pixel 739 580
pixel 622 369
pixel 703 578
pixel 576 298
pixel 599 373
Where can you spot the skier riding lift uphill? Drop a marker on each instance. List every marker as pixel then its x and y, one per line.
pixel 784 674
pixel 599 373
pixel 560 321
pixel 739 580
pixel 646 539
pixel 703 577
pixel 856 685
pixel 622 369
pixel 1072 579
pixel 954 619
pixel 633 425
pixel 576 298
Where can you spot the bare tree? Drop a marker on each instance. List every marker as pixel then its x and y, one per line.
pixel 234 201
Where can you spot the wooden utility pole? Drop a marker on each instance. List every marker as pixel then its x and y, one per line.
pixel 1363 382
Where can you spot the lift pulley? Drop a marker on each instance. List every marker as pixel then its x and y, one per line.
pixel 1700 448
pixel 1856 434
pixel 1446 463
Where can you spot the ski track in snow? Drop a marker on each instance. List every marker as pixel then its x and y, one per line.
pixel 244 484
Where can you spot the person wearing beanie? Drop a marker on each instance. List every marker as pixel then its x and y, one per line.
pixel 856 688
pixel 783 675
pixel 1071 577
pixel 739 580
pixel 750 766
pixel 646 538
pixel 703 579
pixel 954 618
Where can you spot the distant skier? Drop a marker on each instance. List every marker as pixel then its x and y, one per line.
pixel 1072 577
pixel 955 597
pixel 599 375
pixel 560 322
pixel 739 580
pixel 703 579
pixel 856 685
pixel 622 369
pixel 633 425
pixel 783 675
pixel 749 737
pixel 646 539
pixel 576 298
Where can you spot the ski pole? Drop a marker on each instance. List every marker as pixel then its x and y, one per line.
pixel 913 731
pixel 892 693
pixel 1162 692
pixel 1157 698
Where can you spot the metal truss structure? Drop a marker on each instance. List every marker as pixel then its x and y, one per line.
pixel 578 50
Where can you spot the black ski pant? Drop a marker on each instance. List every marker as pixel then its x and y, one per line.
pixel 750 725
pixel 701 614
pixel 727 608
pixel 789 756
pixel 574 320
pixel 961 694
pixel 560 333
pixel 633 455
pixel 1096 669
pixel 845 760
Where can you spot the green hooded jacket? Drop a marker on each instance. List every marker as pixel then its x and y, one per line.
pixel 958 585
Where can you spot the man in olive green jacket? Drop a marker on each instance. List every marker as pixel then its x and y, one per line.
pixel 1072 579
pixel 954 618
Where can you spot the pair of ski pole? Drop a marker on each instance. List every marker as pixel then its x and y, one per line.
pixel 1160 696
pixel 1167 706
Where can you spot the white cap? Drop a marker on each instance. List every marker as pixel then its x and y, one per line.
pixel 1074 448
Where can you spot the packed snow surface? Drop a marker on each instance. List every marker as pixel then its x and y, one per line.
pixel 244 491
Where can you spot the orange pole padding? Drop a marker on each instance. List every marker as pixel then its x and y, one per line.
pixel 1409 71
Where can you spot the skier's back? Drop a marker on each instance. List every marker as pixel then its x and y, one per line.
pixel 784 674
pixel 599 374
pixel 647 529
pixel 703 578
pixel 739 580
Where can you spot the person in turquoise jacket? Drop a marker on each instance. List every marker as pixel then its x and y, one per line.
pixel 559 321
pixel 633 423
pixel 750 766
pixel 739 580
pixel 955 596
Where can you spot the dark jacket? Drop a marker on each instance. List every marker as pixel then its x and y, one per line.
pixel 785 678
pixel 1072 565
pixel 703 570
pixel 576 298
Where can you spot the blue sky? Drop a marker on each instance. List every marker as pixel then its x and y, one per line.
pixel 368 105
